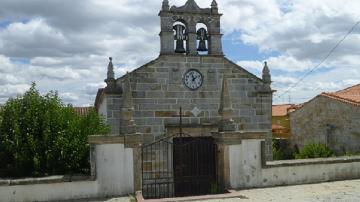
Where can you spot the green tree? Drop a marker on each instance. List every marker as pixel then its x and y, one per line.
pixel 39 135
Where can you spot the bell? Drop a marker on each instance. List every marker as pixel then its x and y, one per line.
pixel 180 37
pixel 180 46
pixel 202 46
pixel 202 37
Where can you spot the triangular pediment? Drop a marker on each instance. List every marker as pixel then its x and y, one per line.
pixel 190 6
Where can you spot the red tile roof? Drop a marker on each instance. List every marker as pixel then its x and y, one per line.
pixel 283 110
pixel 83 111
pixel 99 97
pixel 349 95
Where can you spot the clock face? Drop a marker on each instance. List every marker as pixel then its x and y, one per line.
pixel 193 79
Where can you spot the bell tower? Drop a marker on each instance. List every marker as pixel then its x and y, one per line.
pixel 190 30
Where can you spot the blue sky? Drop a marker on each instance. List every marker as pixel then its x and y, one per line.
pixel 65 45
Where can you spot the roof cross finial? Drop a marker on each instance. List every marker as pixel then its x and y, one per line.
pixel 110 70
pixel 214 4
pixel 214 7
pixel 165 5
pixel 266 74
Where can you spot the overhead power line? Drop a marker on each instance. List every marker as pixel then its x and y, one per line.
pixel 321 62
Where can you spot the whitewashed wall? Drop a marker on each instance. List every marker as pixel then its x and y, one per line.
pixel 247 171
pixel 114 177
pixel 49 192
pixel 114 169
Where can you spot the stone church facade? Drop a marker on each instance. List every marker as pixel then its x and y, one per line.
pixel 216 97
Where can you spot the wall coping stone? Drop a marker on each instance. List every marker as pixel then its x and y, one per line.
pixel 317 161
pixel 234 138
pixel 45 180
pixel 176 125
pixel 97 139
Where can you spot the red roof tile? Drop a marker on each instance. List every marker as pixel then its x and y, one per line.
pixel 283 110
pixel 349 95
pixel 83 111
pixel 99 97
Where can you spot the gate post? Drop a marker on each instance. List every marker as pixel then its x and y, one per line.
pixel 137 169
pixel 135 142
pixel 223 170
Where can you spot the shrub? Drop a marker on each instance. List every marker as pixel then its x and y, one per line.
pixel 282 150
pixel 314 151
pixel 39 136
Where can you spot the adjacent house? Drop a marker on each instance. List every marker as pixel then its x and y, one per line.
pixel 281 120
pixel 329 118
pixel 83 111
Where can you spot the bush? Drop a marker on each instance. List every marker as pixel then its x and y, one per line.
pixel 282 150
pixel 40 136
pixel 314 151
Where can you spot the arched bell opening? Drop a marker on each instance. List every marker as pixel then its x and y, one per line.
pixel 202 39
pixel 180 36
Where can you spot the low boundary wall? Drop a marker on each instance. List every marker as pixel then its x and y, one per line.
pixel 44 190
pixel 248 168
pixel 113 167
pixel 111 175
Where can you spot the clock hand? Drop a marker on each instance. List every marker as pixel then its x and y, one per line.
pixel 193 77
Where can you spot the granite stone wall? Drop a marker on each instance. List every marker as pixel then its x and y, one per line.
pixel 158 93
pixel 327 121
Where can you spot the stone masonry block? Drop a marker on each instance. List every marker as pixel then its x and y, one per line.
pixel 154 121
pixel 174 94
pixel 144 114
pixel 154 94
pixel 212 60
pixel 162 69
pixel 116 114
pixel 193 59
pixel 183 101
pixel 153 107
pixel 174 59
pixel 165 113
pixel 145 101
pixel 138 94
pixel 147 87
pixel 177 87
pixel 166 101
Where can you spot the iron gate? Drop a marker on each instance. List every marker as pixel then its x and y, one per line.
pixel 179 166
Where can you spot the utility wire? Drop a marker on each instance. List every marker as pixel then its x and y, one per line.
pixel 321 62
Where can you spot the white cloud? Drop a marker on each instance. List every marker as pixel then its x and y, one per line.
pixel 282 62
pixel 67 42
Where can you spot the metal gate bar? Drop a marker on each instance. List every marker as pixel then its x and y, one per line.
pixel 179 166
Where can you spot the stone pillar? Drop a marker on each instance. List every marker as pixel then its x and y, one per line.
pixel 192 49
pixel 223 166
pixel 127 109
pixel 135 141
pixel 225 110
pixel 215 44
pixel 93 161
pixel 266 101
pixel 166 34
pixel 137 168
pixel 112 98
pixel 167 43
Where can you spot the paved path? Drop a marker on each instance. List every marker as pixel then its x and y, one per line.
pixel 341 191
pixel 346 191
